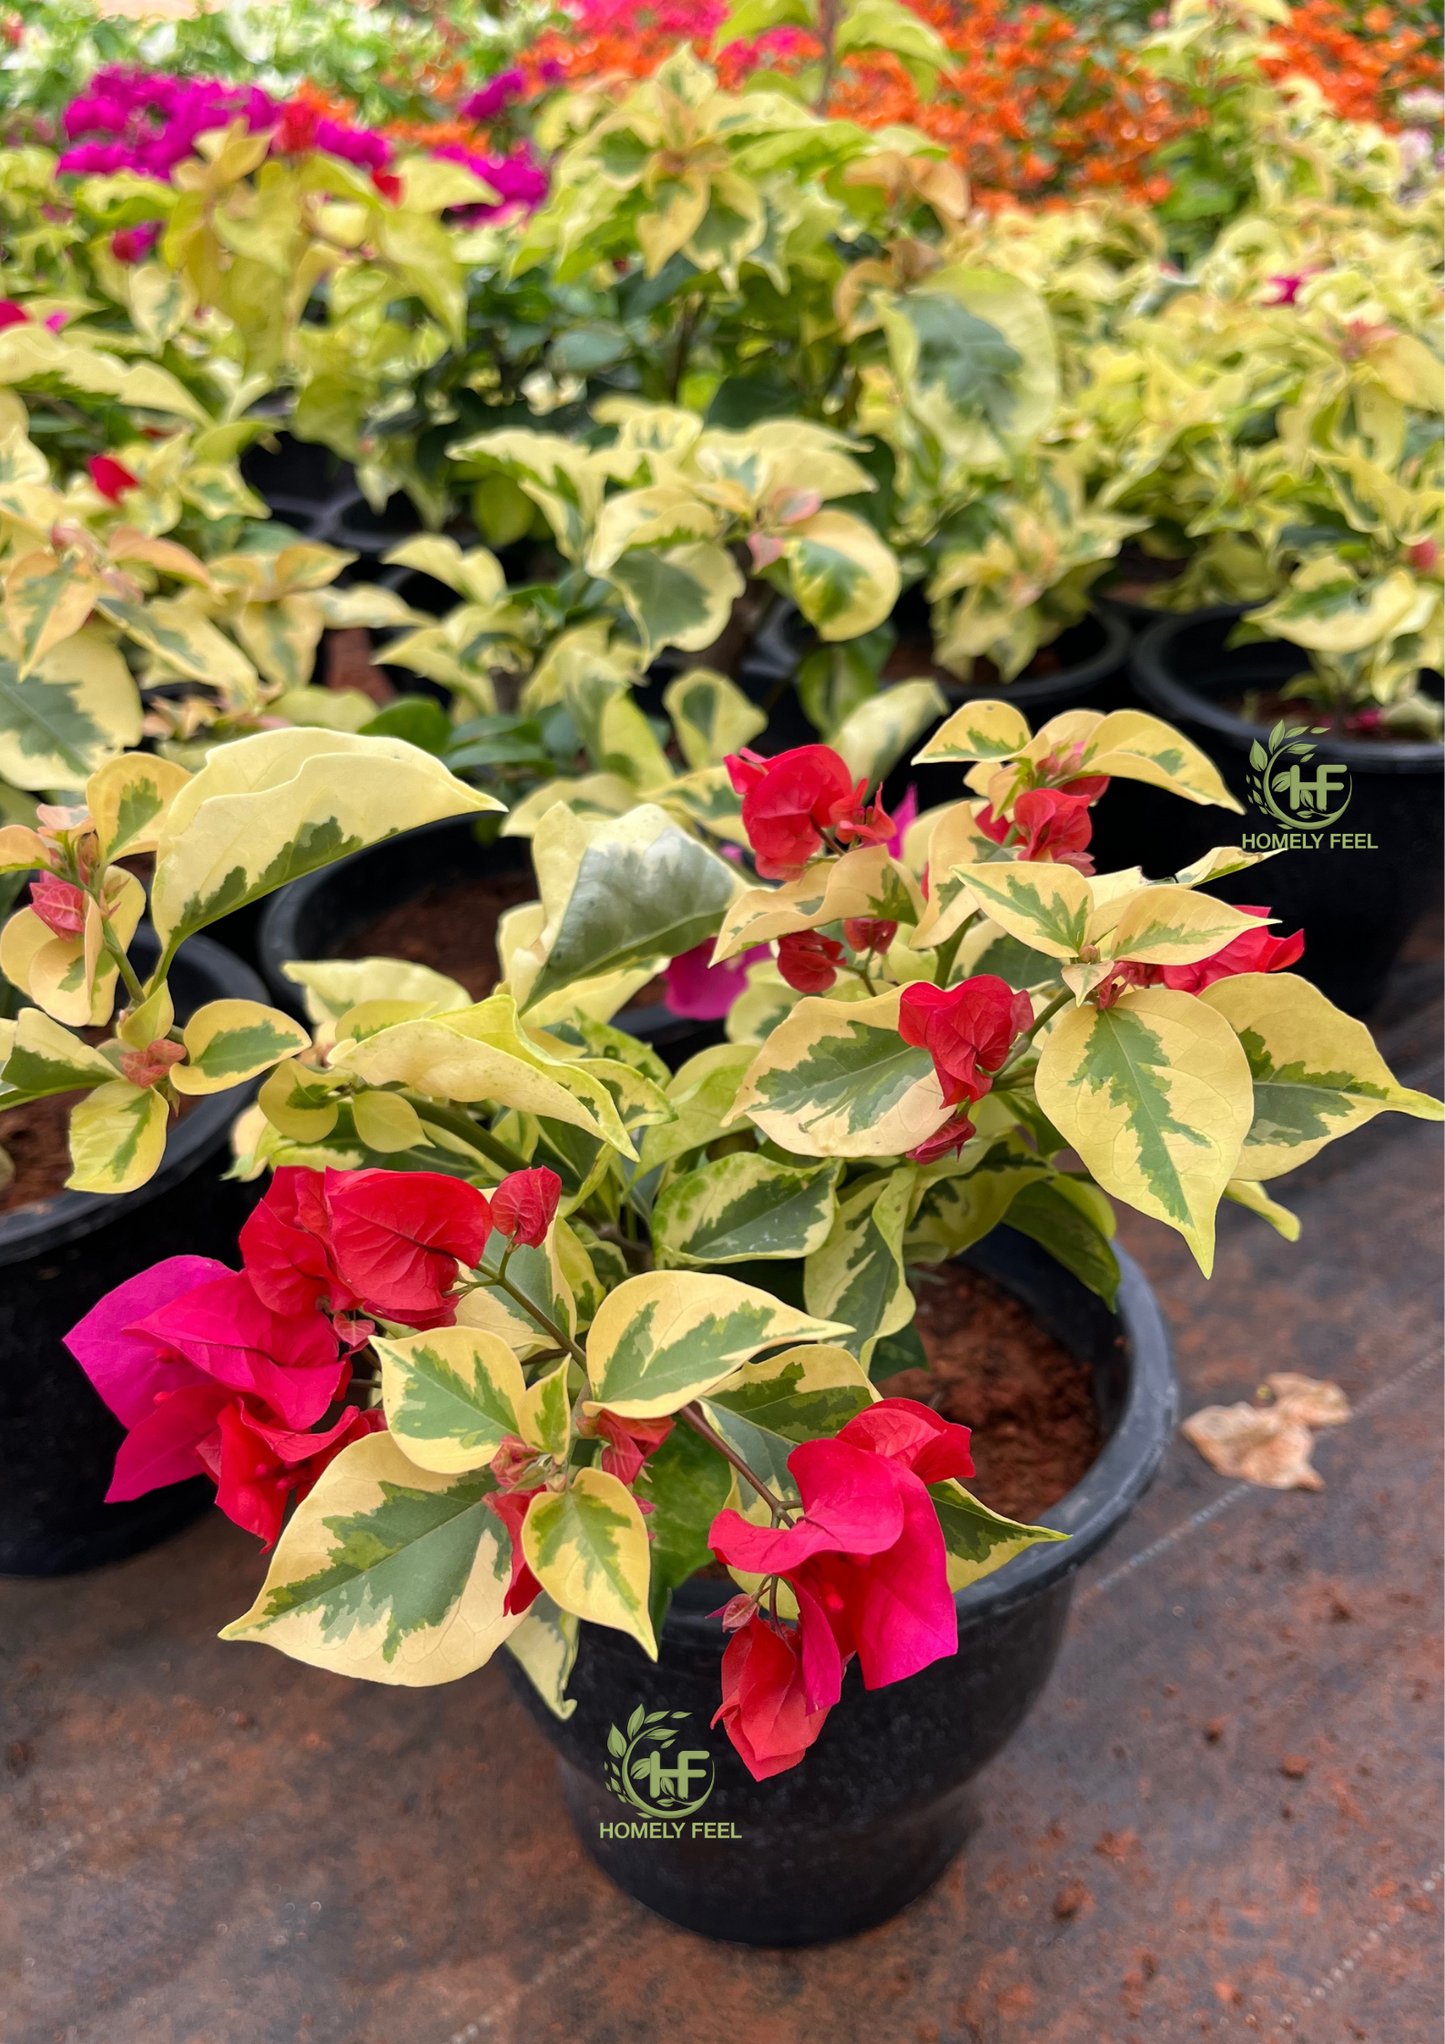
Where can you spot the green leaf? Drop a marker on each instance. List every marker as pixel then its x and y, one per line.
pixel 1047 1211
pixel 451 1396
pixel 688 1483
pixel 587 1546
pixel 643 889
pixel 665 1338
pixel 857 1275
pixel 71 713
pixel 387 1571
pixel 742 1206
pixel 802 1395
pixel 711 716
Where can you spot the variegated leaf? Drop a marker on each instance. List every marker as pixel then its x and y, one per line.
pixel 801 1395
pixel 1138 747
pixel 665 1338
pixel 117 1138
pixel 228 1042
pixel 545 1645
pixel 857 1275
pixel 1245 1192
pixel 270 807
pixel 1168 926
pixel 1316 1072
pixel 711 716
pixel 387 1571
pixel 587 1547
pixel 73 711
pixel 866 882
pixel 743 1206
pixel 976 1540
pixel 451 1396
pixel 963 1203
pixel 843 577
pixel 536 1274
pixel 874 737
pixel 128 798
pixel 981 730
pixel 44 1058
pixel 837 1080
pixel 1154 1094
pixel 1045 906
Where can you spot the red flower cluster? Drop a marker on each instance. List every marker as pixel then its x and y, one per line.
pixel 1253 950
pixel 1052 825
pixel 796 802
pixel 229 1372
pixel 867 1566
pixel 968 1031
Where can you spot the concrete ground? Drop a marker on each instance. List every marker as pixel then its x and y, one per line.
pixel 1222 1821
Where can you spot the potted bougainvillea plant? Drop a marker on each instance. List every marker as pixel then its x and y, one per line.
pixel 530 1331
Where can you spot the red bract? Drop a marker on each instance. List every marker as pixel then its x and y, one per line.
pixel 110 477
pixel 524 1205
pixel 258 1467
pixel 12 314
pixel 284 1246
pixel 790 801
pixel 629 1442
pixel 967 1030
pixel 225 1331
pixel 396 1238
pixel 765 1708
pixel 59 905
pixel 1251 951
pixel 1052 825
pixel 809 961
pixel 866 1564
pixel 510 1506
pixel 947 1141
pixel 869 933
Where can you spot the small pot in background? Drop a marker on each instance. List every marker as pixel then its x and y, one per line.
pixel 60 1256
pixel 1355 902
pixel 320 915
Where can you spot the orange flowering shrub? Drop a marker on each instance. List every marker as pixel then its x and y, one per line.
pixel 1037 106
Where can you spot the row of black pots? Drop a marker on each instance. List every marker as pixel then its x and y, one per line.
pixel 60 1256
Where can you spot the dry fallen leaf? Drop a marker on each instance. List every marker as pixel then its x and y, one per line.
pixel 1313 1401
pixel 1256 1443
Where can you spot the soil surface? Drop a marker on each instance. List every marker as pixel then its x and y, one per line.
pixel 1028 1401
pixel 1266 707
pixel 452 927
pixel 34 1139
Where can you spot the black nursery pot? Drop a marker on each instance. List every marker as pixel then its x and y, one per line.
pixel 1357 888
pixel 1092 674
pixel 61 1256
pixel 876 1809
pixel 319 915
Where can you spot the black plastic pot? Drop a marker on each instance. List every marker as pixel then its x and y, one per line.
pixel 1094 655
pixel 1356 902
pixel 60 1256
pixel 319 915
pixel 876 1810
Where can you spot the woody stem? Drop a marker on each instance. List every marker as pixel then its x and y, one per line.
pixel 692 1415
pixel 564 1341
pixel 127 971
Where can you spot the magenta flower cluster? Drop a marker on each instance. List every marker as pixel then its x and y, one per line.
pixel 136 121
pixel 147 122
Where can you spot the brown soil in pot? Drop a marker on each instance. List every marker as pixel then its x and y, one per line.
pixel 913 658
pixel 1266 708
pixel 451 927
pixel 992 1368
pixel 36 1140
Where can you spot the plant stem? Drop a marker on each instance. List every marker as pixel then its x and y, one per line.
pixel 693 1416
pixel 1059 1001
pixel 565 1344
pixel 127 971
pixel 472 1134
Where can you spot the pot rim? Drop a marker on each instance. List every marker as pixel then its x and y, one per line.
pixel 1164 691
pixel 1045 690
pixel 1096 1506
pixel 45 1224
